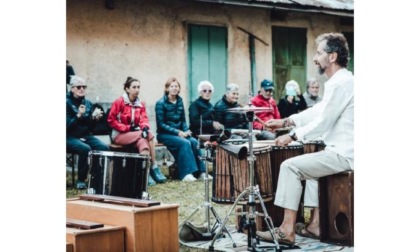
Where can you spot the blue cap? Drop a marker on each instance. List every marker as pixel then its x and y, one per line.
pixel 267 84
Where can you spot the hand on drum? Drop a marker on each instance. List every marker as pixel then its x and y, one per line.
pixel 283 140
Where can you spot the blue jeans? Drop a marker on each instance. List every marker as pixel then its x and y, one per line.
pixel 82 148
pixel 184 150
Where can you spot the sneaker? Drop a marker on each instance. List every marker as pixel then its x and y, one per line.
pixel 203 176
pixel 157 175
pixel 80 185
pixel 151 181
pixel 189 178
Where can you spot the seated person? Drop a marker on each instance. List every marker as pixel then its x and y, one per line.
pixel 311 95
pixel 130 125
pixel 231 120
pixel 173 132
pixel 201 112
pixel 80 121
pixel 264 99
pixel 293 102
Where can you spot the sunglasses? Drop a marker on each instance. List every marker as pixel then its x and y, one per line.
pixel 79 87
pixel 268 90
pixel 207 90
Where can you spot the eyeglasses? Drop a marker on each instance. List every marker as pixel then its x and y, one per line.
pixel 207 90
pixel 268 90
pixel 79 87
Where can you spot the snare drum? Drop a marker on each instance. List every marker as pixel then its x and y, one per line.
pixel 231 176
pixel 313 146
pixel 118 173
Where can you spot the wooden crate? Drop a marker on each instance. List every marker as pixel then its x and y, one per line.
pixel 152 228
pixel 107 238
pixel 69 247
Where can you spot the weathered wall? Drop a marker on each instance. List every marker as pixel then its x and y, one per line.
pixel 148 40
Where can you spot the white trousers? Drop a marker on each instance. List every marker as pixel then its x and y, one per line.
pixel 307 167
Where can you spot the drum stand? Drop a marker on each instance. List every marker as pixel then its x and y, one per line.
pixel 252 191
pixel 210 231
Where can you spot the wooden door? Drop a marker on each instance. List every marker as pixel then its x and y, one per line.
pixel 289 58
pixel 207 59
pixel 350 40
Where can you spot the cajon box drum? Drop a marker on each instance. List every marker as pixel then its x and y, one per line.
pixel 336 208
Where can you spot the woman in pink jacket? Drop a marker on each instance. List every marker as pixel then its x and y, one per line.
pixel 130 125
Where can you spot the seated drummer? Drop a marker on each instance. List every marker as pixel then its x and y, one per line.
pixel 265 99
pixel 231 120
pixel 201 112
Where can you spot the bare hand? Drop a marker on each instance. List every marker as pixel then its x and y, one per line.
pixel 217 125
pixel 184 134
pixel 283 140
pixel 97 113
pixel 273 124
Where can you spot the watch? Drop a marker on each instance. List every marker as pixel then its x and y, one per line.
pixel 292 134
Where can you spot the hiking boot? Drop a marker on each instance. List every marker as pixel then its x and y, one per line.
pixel 157 175
pixel 151 181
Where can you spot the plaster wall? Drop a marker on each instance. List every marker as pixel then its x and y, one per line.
pixel 148 40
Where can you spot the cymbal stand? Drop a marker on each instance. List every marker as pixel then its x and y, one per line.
pixel 252 191
pixel 210 231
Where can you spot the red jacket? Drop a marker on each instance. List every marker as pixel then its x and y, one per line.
pixel 260 101
pixel 119 117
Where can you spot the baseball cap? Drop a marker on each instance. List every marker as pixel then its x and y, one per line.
pixel 267 84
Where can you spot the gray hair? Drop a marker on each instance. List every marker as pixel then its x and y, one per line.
pixel 204 83
pixel 76 81
pixel 292 83
pixel 310 82
pixel 231 87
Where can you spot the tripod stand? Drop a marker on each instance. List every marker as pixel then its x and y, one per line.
pixel 252 191
pixel 210 232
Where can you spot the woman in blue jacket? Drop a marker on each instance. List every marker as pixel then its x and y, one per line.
pixel 173 132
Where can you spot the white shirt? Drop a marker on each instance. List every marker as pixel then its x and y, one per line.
pixel 333 118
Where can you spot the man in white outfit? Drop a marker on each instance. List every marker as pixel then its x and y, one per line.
pixel 332 120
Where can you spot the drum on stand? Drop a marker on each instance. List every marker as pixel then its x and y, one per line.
pixel 313 146
pixel 118 173
pixel 231 176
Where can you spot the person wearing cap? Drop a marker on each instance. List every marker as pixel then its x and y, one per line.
pixel 311 95
pixel 293 102
pixel 264 99
pixel 80 120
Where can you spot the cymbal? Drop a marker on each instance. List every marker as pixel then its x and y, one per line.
pixel 248 108
pixel 245 131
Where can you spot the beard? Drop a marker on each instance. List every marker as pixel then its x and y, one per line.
pixel 321 70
